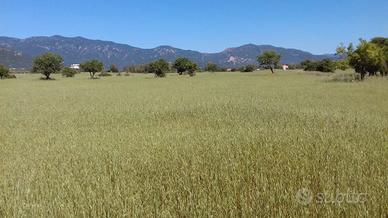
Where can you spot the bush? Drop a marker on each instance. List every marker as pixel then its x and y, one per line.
pixel 211 67
pixel 102 74
pixel 68 72
pixel 325 65
pixel 113 69
pixel 10 76
pixel 345 77
pixel 159 68
pixel 4 71
pixel 140 68
pixel 248 68
pixel 342 65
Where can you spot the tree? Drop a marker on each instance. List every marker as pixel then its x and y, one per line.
pixel 47 64
pixel 92 67
pixel 185 65
pixel 269 59
pixel 211 67
pixel 68 72
pixel 382 43
pixel 159 68
pixel 367 58
pixel 113 69
pixel 4 71
pixel 191 68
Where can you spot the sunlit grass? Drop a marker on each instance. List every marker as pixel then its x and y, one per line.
pixel 222 145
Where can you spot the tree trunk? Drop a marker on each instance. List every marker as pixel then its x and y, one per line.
pixel 47 76
pixel 271 70
pixel 363 75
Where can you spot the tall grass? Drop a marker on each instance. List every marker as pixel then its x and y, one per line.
pixel 221 145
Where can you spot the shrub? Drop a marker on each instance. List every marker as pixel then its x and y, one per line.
pixel 10 76
pixel 4 71
pixel 211 67
pixel 68 72
pixel 325 65
pixel 342 65
pixel 248 68
pixel 113 69
pixel 159 68
pixel 344 77
pixel 102 74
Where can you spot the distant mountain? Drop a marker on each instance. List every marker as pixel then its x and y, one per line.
pixel 19 52
pixel 14 59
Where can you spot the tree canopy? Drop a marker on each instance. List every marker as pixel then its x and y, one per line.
pixel 47 64
pixel 159 68
pixel 212 67
pixel 92 67
pixel 269 59
pixel 185 65
pixel 4 71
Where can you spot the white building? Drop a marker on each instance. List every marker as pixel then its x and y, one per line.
pixel 285 67
pixel 75 66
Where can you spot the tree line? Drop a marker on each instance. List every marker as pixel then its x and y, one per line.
pixel 367 58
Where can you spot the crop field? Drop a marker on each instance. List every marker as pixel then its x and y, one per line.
pixel 292 144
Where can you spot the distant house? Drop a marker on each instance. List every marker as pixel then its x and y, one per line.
pixel 285 67
pixel 75 66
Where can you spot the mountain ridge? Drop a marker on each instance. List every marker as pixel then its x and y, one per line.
pixel 78 49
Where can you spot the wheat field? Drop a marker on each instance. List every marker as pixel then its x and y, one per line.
pixel 292 144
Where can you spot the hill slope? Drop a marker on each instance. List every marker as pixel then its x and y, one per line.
pixel 78 49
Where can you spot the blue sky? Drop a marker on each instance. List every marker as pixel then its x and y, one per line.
pixel 317 26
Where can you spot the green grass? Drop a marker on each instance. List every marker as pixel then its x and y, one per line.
pixel 221 145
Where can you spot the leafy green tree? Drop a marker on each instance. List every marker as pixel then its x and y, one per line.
pixel 211 67
pixel 269 59
pixel 92 67
pixel 47 64
pixel 4 71
pixel 185 65
pixel 113 69
pixel 68 72
pixel 367 58
pixel 191 68
pixel 382 43
pixel 159 68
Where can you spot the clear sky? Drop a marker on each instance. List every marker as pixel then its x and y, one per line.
pixel 317 26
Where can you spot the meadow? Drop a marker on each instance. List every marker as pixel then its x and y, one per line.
pixel 292 144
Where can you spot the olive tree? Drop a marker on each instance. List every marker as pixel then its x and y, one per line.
pixel 92 67
pixel 47 64
pixel 159 68
pixel 269 59
pixel 185 65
